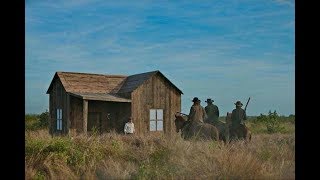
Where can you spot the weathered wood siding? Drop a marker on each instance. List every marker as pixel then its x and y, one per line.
pixel 76 112
pixel 119 112
pixel 58 98
pixel 155 93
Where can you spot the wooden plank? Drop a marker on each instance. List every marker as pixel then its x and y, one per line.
pixel 147 105
pixel 100 97
pixel 55 106
pixel 138 113
pixel 76 113
pixel 168 111
pixel 106 98
pixel 92 90
pixel 64 111
pixel 68 112
pixel 85 116
pixel 134 111
pixel 50 113
pixel 173 99
pixel 164 99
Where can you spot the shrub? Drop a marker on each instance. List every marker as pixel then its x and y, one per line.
pixel 271 121
pixel 36 122
pixel 43 119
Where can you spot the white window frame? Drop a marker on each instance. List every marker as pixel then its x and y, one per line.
pixel 156 117
pixel 59 119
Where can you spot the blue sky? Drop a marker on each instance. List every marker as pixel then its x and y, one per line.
pixel 225 50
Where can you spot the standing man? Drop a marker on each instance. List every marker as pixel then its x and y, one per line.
pixel 212 112
pixel 238 116
pixel 129 127
pixel 197 112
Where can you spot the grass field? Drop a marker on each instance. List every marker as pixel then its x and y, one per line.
pixel 114 156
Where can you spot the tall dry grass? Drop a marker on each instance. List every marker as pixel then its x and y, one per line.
pixel 114 156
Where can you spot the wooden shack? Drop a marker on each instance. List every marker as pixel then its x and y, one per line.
pixel 83 102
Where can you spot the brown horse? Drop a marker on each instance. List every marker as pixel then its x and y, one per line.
pixel 241 132
pixel 194 129
pixel 222 128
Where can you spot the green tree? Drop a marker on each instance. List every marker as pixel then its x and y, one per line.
pixel 271 121
pixel 37 121
pixel 44 119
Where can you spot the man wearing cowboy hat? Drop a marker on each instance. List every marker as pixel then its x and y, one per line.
pixel 212 111
pixel 197 112
pixel 238 115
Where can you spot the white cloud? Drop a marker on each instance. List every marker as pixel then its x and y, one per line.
pixel 200 63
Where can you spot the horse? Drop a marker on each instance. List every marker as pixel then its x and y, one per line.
pixel 241 132
pixel 222 128
pixel 195 129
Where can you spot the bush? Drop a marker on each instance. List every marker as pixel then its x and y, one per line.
pixel 36 122
pixel 271 121
pixel 44 119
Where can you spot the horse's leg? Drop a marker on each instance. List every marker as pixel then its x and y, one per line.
pixel 234 133
pixel 227 134
pixel 247 134
pixel 241 132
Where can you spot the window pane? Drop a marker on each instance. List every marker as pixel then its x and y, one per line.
pixel 152 125
pixel 58 114
pixel 58 124
pixel 159 114
pixel 159 125
pixel 152 114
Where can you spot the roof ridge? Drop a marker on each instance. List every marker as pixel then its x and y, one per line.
pixel 115 75
pixel 156 71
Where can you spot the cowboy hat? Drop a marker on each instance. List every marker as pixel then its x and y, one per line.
pixel 238 103
pixel 196 99
pixel 209 100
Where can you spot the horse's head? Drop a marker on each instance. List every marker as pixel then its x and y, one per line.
pixel 179 122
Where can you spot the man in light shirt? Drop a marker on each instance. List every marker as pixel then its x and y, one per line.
pixel 129 127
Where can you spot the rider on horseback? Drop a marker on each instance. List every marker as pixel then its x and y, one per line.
pixel 237 118
pixel 212 111
pixel 197 112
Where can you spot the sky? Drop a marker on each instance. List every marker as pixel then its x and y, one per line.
pixel 225 50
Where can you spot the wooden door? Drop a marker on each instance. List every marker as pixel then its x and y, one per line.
pixel 94 121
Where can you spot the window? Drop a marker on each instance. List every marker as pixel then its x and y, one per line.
pixel 156 119
pixel 59 119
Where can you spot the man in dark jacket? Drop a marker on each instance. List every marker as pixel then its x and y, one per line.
pixel 238 116
pixel 212 112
